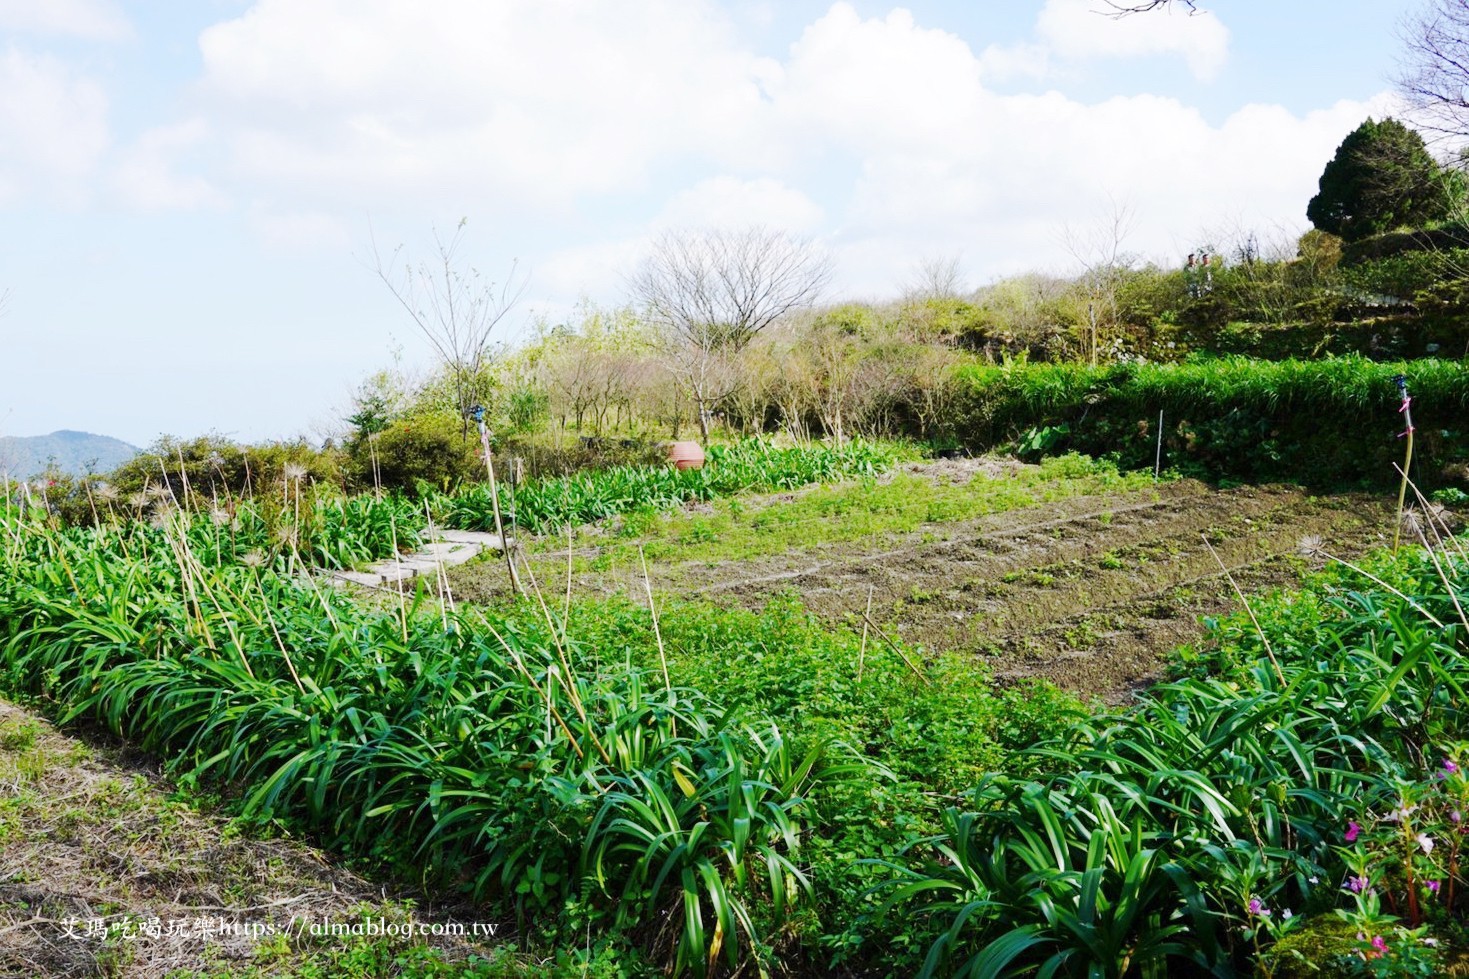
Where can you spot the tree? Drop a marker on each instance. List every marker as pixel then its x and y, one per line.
pixel 1104 266
pixel 710 292
pixel 455 308
pixel 936 278
pixel 1381 178
pixel 1433 75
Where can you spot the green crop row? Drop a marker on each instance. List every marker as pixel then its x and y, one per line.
pixel 291 529
pixel 484 752
pixel 752 465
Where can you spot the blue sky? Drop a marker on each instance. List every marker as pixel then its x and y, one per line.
pixel 187 188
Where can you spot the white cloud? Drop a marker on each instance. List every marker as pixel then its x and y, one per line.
pixel 53 128
pixel 302 232
pixel 96 20
pixel 598 270
pixel 878 134
pixel 540 103
pixel 1075 29
pixel 873 84
pixel 728 202
pixel 146 177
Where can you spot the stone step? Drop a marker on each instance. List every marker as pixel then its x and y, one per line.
pixel 480 537
pixel 454 547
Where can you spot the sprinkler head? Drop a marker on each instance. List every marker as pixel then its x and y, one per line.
pixel 1401 380
pixel 477 413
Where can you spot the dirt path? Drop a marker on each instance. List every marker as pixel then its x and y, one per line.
pixel 94 853
pixel 1091 592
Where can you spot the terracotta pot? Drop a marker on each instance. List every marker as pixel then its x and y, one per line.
pixel 686 455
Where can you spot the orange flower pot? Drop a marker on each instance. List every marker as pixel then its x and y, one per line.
pixel 686 455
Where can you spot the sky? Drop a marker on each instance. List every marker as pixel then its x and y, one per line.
pixel 192 192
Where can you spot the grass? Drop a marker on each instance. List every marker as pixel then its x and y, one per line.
pixel 738 530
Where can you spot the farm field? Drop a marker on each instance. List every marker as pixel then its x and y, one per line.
pixel 768 771
pixel 1066 571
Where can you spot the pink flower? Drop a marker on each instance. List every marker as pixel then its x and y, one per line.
pixel 1357 884
pixel 1380 943
pixel 1352 830
pixel 1433 886
pixel 1449 766
pixel 1256 907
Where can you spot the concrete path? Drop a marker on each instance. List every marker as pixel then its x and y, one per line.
pixel 452 547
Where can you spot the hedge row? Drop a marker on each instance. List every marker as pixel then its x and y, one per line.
pixel 1319 422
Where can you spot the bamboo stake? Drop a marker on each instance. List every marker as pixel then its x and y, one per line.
pixel 1158 457
pixel 657 633
pixel 897 649
pixel 1407 412
pixel 484 440
pixel 1279 674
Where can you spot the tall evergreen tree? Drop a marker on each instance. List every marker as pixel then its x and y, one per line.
pixel 1381 178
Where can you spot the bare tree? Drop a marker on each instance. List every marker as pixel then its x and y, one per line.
pixel 936 278
pixel 454 307
pixel 1433 75
pixel 710 292
pixel 1104 264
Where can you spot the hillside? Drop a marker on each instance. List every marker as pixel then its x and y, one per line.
pixel 72 452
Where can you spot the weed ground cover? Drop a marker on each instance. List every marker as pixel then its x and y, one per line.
pixel 740 529
pixel 1067 571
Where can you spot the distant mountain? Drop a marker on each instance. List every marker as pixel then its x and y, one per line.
pixel 73 452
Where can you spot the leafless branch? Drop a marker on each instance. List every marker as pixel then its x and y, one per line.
pixel 1128 9
pixel 1433 74
pixel 720 288
pixel 936 278
pixel 455 308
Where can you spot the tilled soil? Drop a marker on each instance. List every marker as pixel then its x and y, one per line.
pixel 1091 592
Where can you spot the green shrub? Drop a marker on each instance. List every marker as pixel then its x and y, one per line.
pixel 438 449
pixel 213 466
pixel 1406 275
